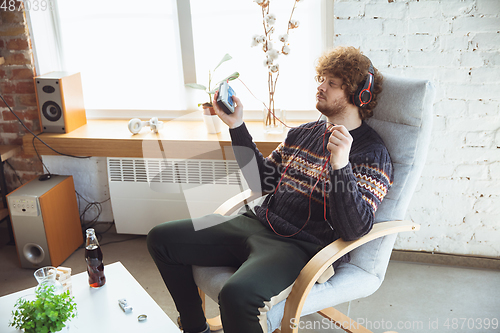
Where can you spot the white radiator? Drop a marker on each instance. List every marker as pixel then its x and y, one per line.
pixel 147 192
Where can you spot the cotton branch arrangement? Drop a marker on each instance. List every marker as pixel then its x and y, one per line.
pixel 272 54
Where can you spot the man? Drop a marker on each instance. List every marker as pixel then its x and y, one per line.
pixel 326 180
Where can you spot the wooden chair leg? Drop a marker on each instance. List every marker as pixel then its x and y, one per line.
pixel 214 323
pixel 346 323
pixel 341 320
pixel 202 296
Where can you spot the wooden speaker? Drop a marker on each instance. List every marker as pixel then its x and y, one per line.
pixel 45 221
pixel 60 102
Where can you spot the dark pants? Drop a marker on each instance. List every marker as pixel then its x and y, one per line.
pixel 267 264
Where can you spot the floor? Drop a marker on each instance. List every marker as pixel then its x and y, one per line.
pixel 413 298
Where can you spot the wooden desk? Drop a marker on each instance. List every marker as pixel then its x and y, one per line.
pixel 180 139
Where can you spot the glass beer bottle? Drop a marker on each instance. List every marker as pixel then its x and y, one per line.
pixel 93 256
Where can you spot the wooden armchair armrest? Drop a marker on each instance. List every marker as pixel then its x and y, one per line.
pixel 238 201
pixel 323 259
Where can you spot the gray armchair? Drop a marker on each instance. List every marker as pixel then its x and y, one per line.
pixel 403 118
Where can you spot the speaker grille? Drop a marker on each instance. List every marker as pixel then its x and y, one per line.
pixel 50 105
pixel 34 253
pixel 52 111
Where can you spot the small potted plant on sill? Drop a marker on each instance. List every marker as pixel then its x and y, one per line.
pixel 48 312
pixel 211 119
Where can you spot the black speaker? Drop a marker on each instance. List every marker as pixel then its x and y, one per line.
pixel 60 102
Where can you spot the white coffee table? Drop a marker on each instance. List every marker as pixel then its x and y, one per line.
pixel 98 309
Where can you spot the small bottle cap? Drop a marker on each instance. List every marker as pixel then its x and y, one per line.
pixel 90 231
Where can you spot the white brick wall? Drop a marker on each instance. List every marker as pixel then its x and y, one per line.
pixel 456 44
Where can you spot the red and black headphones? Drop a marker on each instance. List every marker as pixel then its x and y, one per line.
pixel 363 94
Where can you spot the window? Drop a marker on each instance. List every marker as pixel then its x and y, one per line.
pixel 129 53
pixel 229 27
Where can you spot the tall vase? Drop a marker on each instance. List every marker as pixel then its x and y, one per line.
pixel 273 120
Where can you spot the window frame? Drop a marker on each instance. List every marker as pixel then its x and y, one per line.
pixel 185 29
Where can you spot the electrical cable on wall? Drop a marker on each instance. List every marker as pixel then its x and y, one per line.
pixel 92 223
pixel 37 137
pixel 15 172
pixel 90 205
pixel 39 157
pixel 96 205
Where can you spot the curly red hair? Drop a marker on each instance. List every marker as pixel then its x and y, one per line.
pixel 349 64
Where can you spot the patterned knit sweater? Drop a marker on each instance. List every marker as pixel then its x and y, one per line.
pixel 348 197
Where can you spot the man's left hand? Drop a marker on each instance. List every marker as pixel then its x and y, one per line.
pixel 339 146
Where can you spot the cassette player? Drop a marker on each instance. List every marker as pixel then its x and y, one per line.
pixel 225 98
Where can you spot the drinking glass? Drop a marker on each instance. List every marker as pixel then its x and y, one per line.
pixel 46 276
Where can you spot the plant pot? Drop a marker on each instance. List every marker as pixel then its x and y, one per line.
pixel 273 120
pixel 213 123
pixel 209 110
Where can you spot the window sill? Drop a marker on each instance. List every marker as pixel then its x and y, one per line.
pixel 179 139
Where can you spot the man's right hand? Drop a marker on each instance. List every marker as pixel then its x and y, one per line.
pixel 232 120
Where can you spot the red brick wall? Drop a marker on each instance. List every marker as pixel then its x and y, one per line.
pixel 17 87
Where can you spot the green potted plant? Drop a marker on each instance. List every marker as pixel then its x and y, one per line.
pixel 48 312
pixel 211 89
